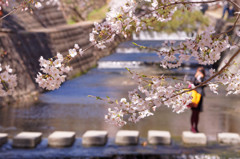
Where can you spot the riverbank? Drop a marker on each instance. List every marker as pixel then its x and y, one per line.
pixel 25 47
pixel 69 109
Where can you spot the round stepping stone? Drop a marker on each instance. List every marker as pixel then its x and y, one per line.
pixel 94 138
pixel 3 138
pixel 194 138
pixel 27 139
pixel 61 139
pixel 156 137
pixel 127 137
pixel 228 138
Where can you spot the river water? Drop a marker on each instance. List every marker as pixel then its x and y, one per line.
pixel 70 109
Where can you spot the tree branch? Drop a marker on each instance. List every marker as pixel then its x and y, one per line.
pixel 208 80
pixel 234 25
pixel 176 3
pixel 9 13
pixel 234 3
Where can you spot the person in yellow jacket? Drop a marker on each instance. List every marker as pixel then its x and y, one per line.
pixel 198 78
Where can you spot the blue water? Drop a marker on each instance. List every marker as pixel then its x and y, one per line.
pixel 70 109
pixel 111 150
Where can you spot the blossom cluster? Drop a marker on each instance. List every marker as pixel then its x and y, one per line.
pixel 8 81
pixel 229 78
pixel 151 94
pixel 233 83
pixel 124 20
pixel 154 92
pixel 52 72
pixel 205 48
pixel 157 91
pixel 76 50
pixel 30 4
pixel 55 70
pixel 3 3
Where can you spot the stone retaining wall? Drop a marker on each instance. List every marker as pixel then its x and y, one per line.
pixel 222 26
pixel 25 47
pixel 50 15
pixel 78 10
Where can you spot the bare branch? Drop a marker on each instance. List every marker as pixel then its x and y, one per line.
pixel 9 13
pixel 176 3
pixel 234 25
pixel 234 3
pixel 212 77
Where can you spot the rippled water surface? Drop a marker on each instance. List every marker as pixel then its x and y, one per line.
pixel 70 109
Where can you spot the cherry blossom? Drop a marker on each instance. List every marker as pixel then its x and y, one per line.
pixel 53 72
pixel 204 48
pixel 28 5
pixel 81 52
pixel 72 52
pixel 38 5
pixel 8 81
pixel 154 92
pixel 213 87
pixel 151 92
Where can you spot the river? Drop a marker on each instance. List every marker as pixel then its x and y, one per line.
pixel 70 109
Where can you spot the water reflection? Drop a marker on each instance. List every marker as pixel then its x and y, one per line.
pixel 69 108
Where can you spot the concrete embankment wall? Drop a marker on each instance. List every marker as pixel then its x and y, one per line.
pixel 223 26
pixel 25 47
pixel 78 10
pixel 50 15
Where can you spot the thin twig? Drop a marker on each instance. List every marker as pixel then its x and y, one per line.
pixel 92 45
pixel 12 11
pixel 208 80
pixel 176 3
pixel 191 2
pixel 234 3
pixel 235 23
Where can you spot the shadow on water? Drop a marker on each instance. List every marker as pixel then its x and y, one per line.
pixel 112 151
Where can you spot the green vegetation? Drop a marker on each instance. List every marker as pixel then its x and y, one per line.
pixel 231 19
pixel 182 21
pixel 70 21
pixel 98 14
pixel 80 73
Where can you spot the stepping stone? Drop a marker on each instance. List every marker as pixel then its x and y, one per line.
pixel 127 137
pixel 27 139
pixel 156 137
pixel 61 139
pixel 194 138
pixel 94 138
pixel 3 138
pixel 228 138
